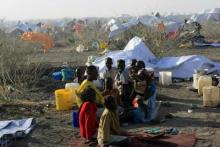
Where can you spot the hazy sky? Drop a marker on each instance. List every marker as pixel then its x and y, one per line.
pixel 26 9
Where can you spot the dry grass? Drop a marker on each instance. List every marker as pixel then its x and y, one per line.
pixel 17 72
pixel 211 30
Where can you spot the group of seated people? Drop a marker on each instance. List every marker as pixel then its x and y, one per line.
pixel 128 94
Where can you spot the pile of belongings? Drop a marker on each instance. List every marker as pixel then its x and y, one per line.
pixel 12 129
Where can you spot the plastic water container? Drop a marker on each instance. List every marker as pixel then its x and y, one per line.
pixel 64 100
pixel 211 97
pixel 98 84
pixel 196 81
pixel 165 78
pixel 75 119
pixel 57 76
pixel 72 87
pixel 67 74
pixel 203 82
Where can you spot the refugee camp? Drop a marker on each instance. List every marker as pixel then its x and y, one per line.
pixel 110 73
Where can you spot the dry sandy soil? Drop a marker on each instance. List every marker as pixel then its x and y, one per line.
pixel 54 128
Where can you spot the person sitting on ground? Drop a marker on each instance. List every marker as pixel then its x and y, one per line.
pixel 151 94
pixel 87 114
pixel 109 71
pixel 92 74
pixel 145 86
pixel 109 90
pixel 121 82
pixel 109 122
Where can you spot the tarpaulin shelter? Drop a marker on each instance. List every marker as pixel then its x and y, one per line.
pixel 12 129
pixel 44 39
pixel 135 49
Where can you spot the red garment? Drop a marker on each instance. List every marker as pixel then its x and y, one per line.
pixel 87 120
pixel 135 103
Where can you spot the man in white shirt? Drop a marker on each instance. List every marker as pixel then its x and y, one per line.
pixel 109 71
pixel 122 83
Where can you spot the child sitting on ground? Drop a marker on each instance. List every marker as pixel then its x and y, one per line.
pixel 109 122
pixel 146 87
pixel 87 115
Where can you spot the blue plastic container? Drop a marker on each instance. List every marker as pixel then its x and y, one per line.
pixel 75 119
pixel 57 76
pixel 67 74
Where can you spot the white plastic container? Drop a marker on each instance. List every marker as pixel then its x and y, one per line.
pixel 73 87
pixel 165 78
pixel 196 81
pixel 211 96
pixel 204 81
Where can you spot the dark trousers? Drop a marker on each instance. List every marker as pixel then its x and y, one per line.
pixel 126 92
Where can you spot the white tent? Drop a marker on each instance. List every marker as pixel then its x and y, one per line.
pixel 207 15
pixel 118 29
pixel 150 21
pixel 214 14
pixel 184 66
pixel 111 22
pixel 173 17
pixel 181 67
pixel 135 49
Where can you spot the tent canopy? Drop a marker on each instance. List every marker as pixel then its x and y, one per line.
pixel 135 49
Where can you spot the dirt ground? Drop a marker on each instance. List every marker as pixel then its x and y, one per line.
pixel 54 128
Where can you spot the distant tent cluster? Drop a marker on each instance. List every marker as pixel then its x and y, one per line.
pixel 207 15
pixel 30 27
pixel 169 24
pixel 161 24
